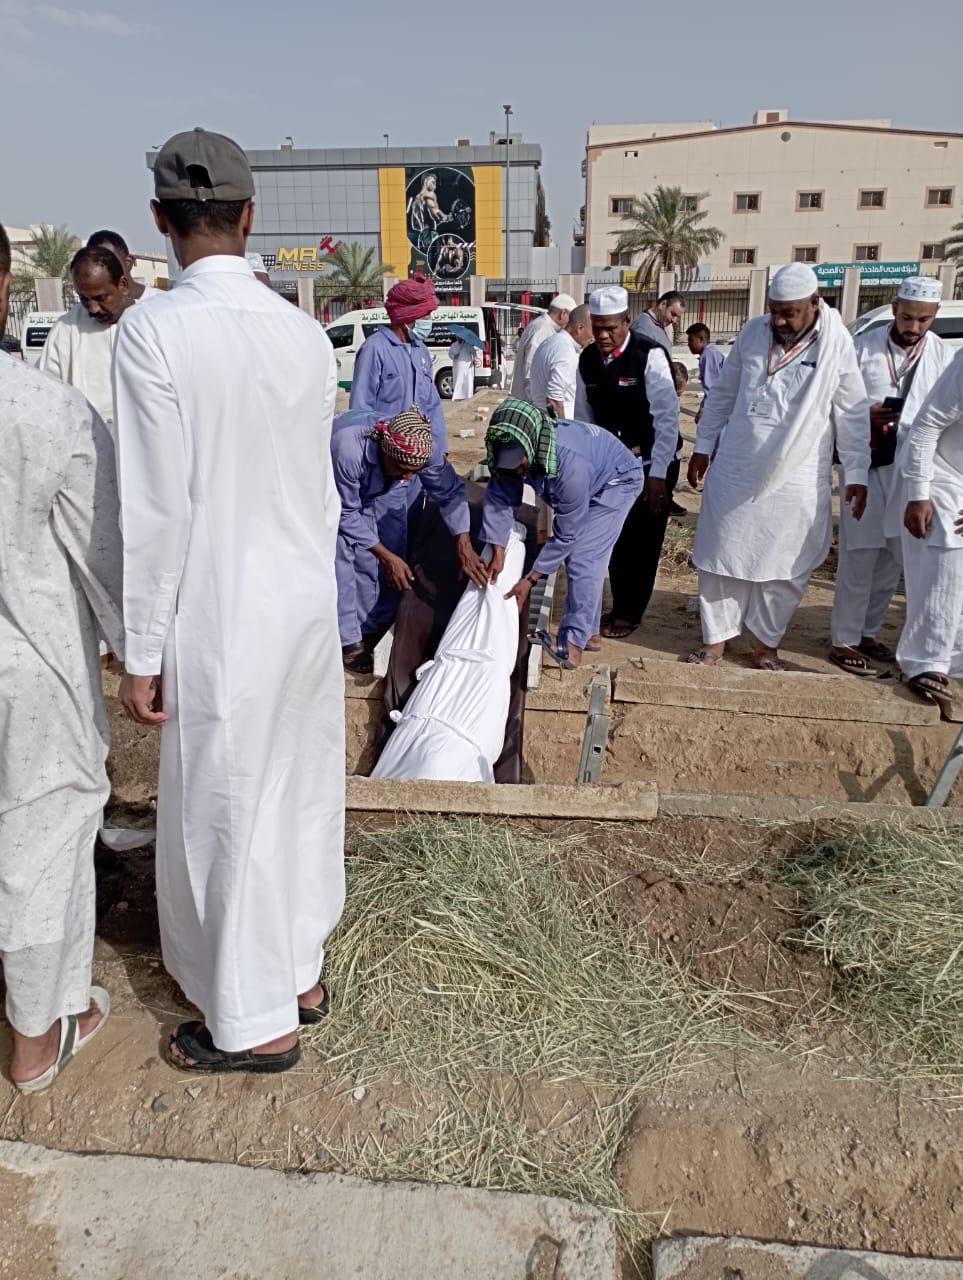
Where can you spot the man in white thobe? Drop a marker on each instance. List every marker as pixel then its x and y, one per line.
pixel 80 347
pixel 899 363
pixel 532 337
pixel 463 362
pixel 766 520
pixel 931 647
pixel 554 376
pixel 230 516
pixel 60 590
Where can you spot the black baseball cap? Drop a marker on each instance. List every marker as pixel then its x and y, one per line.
pixel 199 165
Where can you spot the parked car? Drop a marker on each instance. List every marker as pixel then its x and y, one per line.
pixel 349 331
pixel 948 323
pixel 36 326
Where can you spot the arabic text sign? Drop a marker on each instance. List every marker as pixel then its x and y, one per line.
pixel 831 274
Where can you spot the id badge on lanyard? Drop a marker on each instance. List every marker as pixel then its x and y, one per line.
pixel 762 406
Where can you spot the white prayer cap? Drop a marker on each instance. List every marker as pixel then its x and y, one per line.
pixel 563 302
pixel 612 300
pixel 921 289
pixel 793 283
pixel 256 263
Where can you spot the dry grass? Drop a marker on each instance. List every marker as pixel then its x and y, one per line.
pixel 470 971
pixel 886 908
pixel 677 548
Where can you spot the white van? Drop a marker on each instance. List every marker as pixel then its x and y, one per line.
pixel 36 326
pixel 349 331
pixel 948 323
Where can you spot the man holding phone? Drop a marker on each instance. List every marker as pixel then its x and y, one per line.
pixel 900 363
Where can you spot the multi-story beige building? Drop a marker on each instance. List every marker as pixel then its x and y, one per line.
pixel 835 192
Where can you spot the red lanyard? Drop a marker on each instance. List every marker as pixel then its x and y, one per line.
pixel 793 353
pixel 911 359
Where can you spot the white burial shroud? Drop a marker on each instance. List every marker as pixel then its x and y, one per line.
pixel 452 728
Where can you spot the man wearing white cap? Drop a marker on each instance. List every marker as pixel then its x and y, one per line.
pixel 542 327
pixel 554 375
pixel 930 649
pixel 625 385
pixel 899 363
pixel 766 519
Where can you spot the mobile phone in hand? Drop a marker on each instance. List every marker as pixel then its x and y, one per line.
pixel 894 404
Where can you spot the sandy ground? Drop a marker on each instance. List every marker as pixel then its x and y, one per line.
pixel 789 1146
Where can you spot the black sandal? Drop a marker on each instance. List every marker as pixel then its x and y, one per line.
pixel 194 1041
pixel 934 687
pixel 358 659
pixel 308 1017
pixel 851 661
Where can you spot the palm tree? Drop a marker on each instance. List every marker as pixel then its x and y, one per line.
pixel 666 231
pixel 354 275
pixel 953 245
pixel 53 251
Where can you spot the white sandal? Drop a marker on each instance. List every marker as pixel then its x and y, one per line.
pixel 70 1043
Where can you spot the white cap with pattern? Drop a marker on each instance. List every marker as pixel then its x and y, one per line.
pixel 612 300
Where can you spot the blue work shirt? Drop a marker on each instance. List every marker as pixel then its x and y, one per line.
pixel 710 367
pixel 589 460
pixel 390 376
pixel 360 481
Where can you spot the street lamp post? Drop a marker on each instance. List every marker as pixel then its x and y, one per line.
pixel 508 207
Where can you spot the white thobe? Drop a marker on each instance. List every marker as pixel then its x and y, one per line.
pixel 79 351
pixel 533 335
pixel 932 469
pixel 554 373
pixel 767 506
pixel 869 556
pixel 60 589
pixel 230 519
pixel 463 370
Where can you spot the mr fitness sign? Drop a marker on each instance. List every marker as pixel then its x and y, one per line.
pixel 309 258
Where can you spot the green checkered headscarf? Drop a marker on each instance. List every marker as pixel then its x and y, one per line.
pixel 517 422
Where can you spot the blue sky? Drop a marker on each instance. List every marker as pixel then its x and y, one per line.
pixel 91 85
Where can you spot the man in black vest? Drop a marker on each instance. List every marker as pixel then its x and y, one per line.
pixel 625 385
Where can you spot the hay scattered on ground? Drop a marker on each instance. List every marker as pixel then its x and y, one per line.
pixel 509 1000
pixel 886 908
pixel 678 545
pixel 465 948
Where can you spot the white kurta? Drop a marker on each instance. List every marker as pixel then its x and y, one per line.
pixel 230 519
pixel 60 574
pixel 554 374
pixel 932 468
pixel 533 335
pixel 79 351
pixel 463 370
pixel 767 507
pixel 884 505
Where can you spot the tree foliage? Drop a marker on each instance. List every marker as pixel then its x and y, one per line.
pixel 52 252
pixel 352 275
pixel 668 234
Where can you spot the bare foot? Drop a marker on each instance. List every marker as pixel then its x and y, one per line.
pixel 311 998
pixel 574 655
pixel 767 659
pixel 33 1055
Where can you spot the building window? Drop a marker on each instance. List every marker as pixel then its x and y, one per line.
pixel 619 205
pixel 933 251
pixel 620 259
pixel 939 197
pixel 631 155
pixel 690 204
pixel 748 202
pixel 866 253
pixel 874 198
pixel 809 200
pixel 806 253
pixel 742 257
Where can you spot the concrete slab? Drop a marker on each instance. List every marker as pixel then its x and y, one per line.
pixel 561 690
pixel 625 802
pixel 803 695
pixel 769 809
pixel 710 1258
pixel 120 1216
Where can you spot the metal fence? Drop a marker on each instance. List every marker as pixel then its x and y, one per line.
pixel 20 308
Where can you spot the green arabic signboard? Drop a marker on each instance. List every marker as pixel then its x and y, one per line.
pixel 871 273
